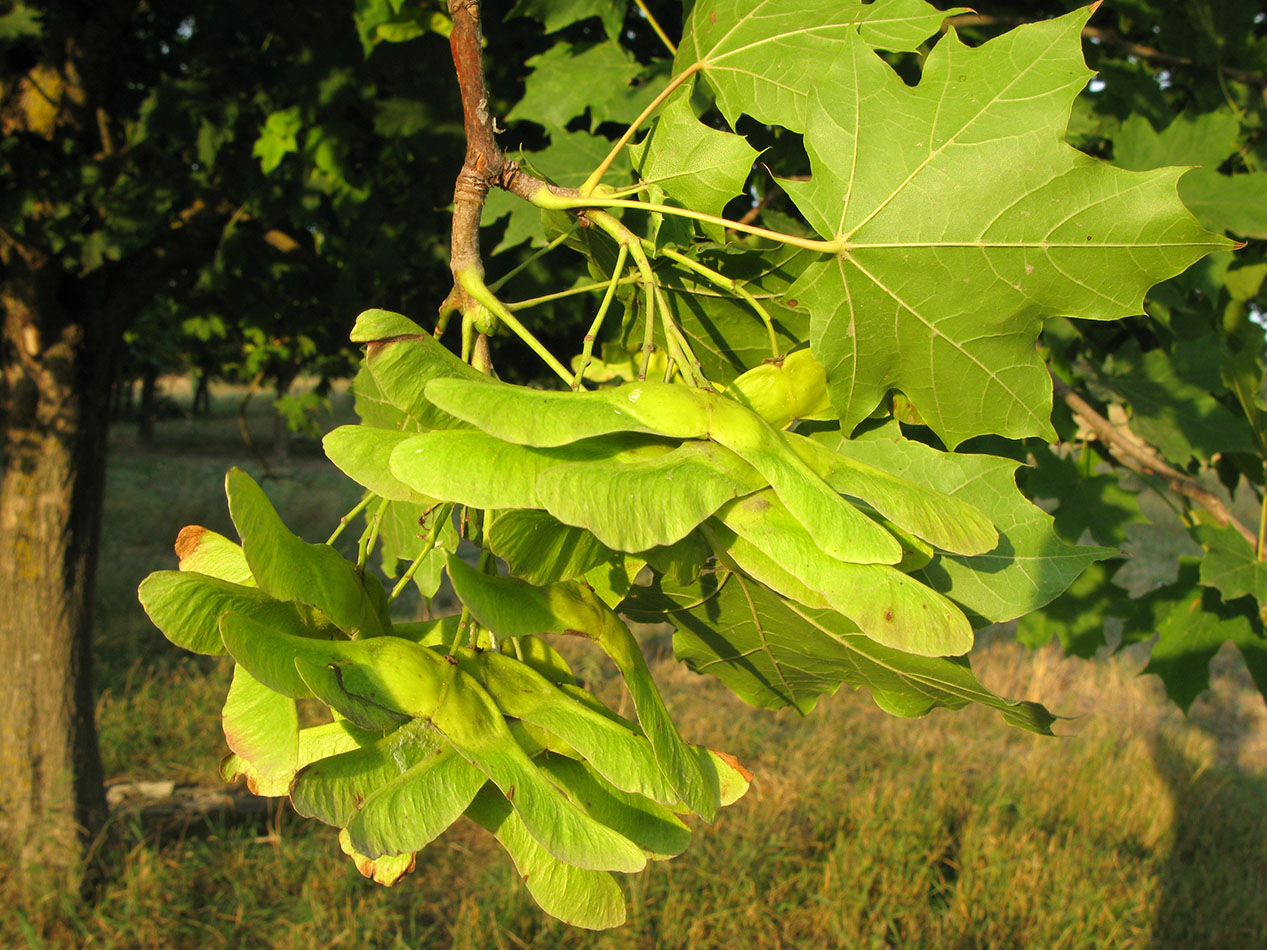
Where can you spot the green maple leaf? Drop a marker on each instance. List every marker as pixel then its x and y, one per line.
pixel 567 80
pixel 775 653
pixel 961 220
pixel 1030 566
pixel 700 167
pixel 1236 203
pixel 1232 566
pixel 763 58
pixel 1189 636
pixel 554 15
pixel 1170 410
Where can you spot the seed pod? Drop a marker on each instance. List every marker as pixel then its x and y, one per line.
pixel 785 390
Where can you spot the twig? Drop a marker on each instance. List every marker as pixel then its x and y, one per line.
pixel 655 25
pixel 1139 456
pixel 484 159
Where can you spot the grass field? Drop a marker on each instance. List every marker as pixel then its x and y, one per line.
pixel 1137 829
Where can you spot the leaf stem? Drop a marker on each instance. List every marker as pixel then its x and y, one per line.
pixel 347 519
pixel 463 620
pixel 428 545
pixel 597 174
pixel 370 538
pixel 723 282
pixel 571 292
pixel 531 259
pixel 694 370
pixel 626 238
pixel 655 25
pixel 587 349
pixel 544 198
pixel 474 285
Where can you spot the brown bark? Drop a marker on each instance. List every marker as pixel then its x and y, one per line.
pixel 54 407
pixel 485 165
pixel 60 331
pixel 60 342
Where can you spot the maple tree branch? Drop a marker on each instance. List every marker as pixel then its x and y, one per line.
pixel 1113 38
pixel 484 159
pixel 485 165
pixel 1139 456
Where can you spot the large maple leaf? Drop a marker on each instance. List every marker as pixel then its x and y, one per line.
pixel 762 57
pixel 961 220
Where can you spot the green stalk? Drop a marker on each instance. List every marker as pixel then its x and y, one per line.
pixel 474 285
pixel 626 238
pixel 346 519
pixel 588 349
pixel 468 337
pixel 648 340
pixel 366 547
pixel 531 259
pixel 428 545
pixel 659 30
pixel 597 175
pixel 723 282
pixel 570 292
pixel 544 198
pixel 690 365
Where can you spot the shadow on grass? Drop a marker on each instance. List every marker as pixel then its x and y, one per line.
pixel 1210 890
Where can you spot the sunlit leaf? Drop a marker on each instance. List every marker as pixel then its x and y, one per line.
pixel 579 897
pixel 289 568
pixel 764 58
pixel 774 653
pixel 964 221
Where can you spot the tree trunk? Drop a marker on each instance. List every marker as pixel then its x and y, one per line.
pixel 281 431
pixel 202 394
pixel 148 407
pixel 54 408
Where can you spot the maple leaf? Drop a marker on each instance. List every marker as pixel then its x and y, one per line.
pixel 763 58
pixel 961 220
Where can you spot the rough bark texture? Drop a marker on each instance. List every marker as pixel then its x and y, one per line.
pixel 53 406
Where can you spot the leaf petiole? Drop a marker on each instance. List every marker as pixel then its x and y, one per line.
pixel 587 350
pixel 723 282
pixel 597 174
pixel 655 25
pixel 347 519
pixel 474 285
pixel 552 201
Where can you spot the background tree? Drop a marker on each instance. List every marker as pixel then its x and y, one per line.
pixel 133 142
